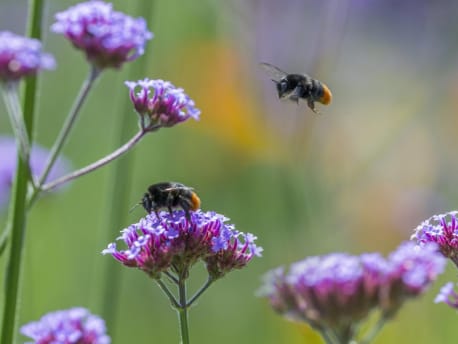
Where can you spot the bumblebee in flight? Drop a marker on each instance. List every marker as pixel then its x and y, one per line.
pixel 170 195
pixel 298 86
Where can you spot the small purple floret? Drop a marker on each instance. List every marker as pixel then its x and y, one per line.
pixel 21 56
pixel 448 295
pixel 107 37
pixel 72 326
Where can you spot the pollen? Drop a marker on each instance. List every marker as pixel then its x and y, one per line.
pixel 327 95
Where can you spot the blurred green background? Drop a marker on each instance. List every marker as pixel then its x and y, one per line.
pixel 357 178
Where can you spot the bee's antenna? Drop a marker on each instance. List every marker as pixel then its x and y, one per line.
pixel 135 206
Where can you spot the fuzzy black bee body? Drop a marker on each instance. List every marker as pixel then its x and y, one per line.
pixel 170 195
pixel 298 86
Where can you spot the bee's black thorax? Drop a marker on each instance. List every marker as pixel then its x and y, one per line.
pixel 295 86
pixel 167 195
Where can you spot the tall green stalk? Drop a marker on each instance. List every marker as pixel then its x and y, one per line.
pixel 18 213
pixel 119 192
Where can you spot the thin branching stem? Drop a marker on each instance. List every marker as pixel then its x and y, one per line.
pixel 171 277
pixel 66 128
pixel 168 293
pixel 13 107
pixel 374 331
pixel 200 291
pixel 95 165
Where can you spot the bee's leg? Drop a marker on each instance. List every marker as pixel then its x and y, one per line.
pixel 296 94
pixel 187 215
pixel 170 210
pixel 157 214
pixel 311 105
pixel 186 205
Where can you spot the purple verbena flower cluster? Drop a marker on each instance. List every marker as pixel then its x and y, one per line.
pixel 21 56
pixel 107 37
pixel 72 326
pixel 157 244
pixel 336 291
pixel 160 104
pixel 443 230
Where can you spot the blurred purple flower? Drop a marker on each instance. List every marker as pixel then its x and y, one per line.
pixel 441 229
pixel 8 159
pixel 411 271
pixel 334 293
pixel 108 38
pixel 448 296
pixel 21 56
pixel 160 104
pixel 155 245
pixel 72 326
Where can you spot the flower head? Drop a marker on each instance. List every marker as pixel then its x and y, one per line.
pixel 443 230
pixel 72 326
pixel 411 271
pixel 38 157
pixel 107 37
pixel 160 104
pixel 21 56
pixel 335 292
pixel 157 244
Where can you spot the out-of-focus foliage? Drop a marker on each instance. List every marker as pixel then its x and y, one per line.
pixel 359 177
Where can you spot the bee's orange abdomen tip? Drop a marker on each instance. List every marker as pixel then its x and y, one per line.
pixel 195 201
pixel 327 95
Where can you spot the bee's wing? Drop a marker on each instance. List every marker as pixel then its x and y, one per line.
pixel 273 71
pixel 177 188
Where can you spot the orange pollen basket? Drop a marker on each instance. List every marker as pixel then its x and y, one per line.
pixel 195 201
pixel 327 95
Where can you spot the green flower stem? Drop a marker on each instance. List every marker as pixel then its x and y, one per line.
pixel 374 330
pixel 13 106
pixel 4 239
pixel 168 293
pixel 183 310
pixel 99 163
pixel 200 291
pixel 118 199
pixel 66 128
pixel 18 211
pixel 120 184
pixel 327 338
pixel 171 277
pixel 17 222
